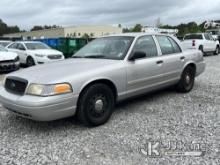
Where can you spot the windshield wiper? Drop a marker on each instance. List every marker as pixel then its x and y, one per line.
pixel 95 56
pixel 77 57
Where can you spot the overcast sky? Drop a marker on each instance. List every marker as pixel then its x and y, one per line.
pixel 26 13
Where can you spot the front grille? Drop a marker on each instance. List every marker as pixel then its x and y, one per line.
pixel 9 67
pixel 16 85
pixel 55 57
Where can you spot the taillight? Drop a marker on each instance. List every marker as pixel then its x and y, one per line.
pixel 193 43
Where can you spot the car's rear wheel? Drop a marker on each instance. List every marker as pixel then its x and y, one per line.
pixel 95 105
pixel 30 62
pixel 201 49
pixel 216 50
pixel 187 80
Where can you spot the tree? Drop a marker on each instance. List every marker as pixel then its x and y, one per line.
pixel 37 28
pixel 5 29
pixel 137 28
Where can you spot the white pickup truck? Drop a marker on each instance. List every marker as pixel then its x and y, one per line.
pixel 202 41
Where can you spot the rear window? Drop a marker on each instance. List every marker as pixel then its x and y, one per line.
pixel 194 37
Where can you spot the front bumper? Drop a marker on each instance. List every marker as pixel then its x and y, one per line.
pixel 39 108
pixel 11 66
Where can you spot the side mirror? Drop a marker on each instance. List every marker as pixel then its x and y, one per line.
pixel 137 55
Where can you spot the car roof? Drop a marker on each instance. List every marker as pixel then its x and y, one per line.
pixel 24 42
pixel 139 34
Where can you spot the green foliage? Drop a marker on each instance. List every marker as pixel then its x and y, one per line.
pixel 37 27
pixel 5 29
pixel 191 27
pixel 136 28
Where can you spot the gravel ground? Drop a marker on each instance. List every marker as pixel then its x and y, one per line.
pixel 164 116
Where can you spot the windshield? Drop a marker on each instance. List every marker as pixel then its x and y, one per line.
pixel 2 49
pixel 193 36
pixel 114 48
pixel 35 46
pixel 5 43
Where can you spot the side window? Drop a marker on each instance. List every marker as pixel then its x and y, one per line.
pixel 13 46
pixel 147 45
pixel 21 47
pixel 165 45
pixel 175 46
pixel 206 36
pixel 210 37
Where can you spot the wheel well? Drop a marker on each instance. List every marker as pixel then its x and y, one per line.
pixel 192 65
pixel 109 83
pixel 29 57
pixel 200 46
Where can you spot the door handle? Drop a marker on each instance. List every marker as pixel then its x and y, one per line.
pixel 160 62
pixel 182 58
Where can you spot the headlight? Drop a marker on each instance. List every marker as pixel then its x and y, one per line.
pixel 48 90
pixel 17 59
pixel 39 55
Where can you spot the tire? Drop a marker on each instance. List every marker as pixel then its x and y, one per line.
pixel 30 62
pixel 187 80
pixel 95 105
pixel 216 50
pixel 201 49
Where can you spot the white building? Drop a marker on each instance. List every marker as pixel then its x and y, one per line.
pixel 74 32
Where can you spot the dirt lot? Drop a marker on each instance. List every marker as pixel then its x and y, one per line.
pixel 167 117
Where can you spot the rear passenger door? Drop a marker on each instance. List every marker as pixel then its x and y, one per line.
pixel 172 59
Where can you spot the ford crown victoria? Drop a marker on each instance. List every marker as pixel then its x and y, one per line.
pixel 105 71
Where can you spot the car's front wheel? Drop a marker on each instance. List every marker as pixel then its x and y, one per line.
pixel 95 105
pixel 186 82
pixel 30 62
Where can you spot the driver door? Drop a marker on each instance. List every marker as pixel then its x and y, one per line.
pixel 143 74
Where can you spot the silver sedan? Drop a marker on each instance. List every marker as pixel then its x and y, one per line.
pixel 105 71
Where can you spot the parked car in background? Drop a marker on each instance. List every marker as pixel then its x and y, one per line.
pixel 202 41
pixel 105 71
pixel 215 33
pixel 5 43
pixel 34 53
pixel 9 61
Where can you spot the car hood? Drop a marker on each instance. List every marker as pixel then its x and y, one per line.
pixel 63 71
pixel 4 56
pixel 45 52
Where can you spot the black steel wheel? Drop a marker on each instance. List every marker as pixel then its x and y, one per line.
pixel 187 80
pixel 95 105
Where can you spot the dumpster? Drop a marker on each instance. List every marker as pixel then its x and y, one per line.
pixel 69 46
pixel 53 43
